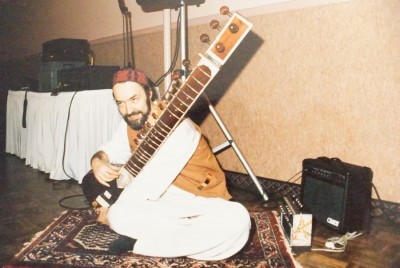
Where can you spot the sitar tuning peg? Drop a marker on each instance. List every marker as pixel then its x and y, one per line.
pixel 161 106
pixel 233 28
pixel 186 63
pixel 177 74
pixel 214 24
pixel 224 10
pixel 220 47
pixel 204 38
pixel 175 87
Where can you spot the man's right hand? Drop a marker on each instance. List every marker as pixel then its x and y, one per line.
pixel 103 170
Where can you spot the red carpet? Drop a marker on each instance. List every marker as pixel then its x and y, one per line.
pixel 76 240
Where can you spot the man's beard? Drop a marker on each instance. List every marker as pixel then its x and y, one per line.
pixel 138 123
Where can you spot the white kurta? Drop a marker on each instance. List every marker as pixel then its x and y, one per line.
pixel 168 221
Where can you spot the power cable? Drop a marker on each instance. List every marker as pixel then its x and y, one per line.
pixel 337 243
pixel 65 135
pixel 176 52
pixel 71 197
pixel 60 202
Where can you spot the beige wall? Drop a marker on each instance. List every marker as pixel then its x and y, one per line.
pixel 317 81
pixel 325 82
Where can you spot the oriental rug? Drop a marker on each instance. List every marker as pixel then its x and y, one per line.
pixel 76 240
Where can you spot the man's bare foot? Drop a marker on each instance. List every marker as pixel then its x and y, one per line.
pixel 102 215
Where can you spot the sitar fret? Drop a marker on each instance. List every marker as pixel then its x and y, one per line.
pixel 131 171
pixel 132 167
pixel 156 137
pixel 172 113
pixel 138 158
pixel 182 102
pixel 187 95
pixel 197 81
pixel 192 89
pixel 169 119
pixel 141 156
pixel 144 151
pixel 177 108
pixel 158 132
pixel 147 142
pixel 165 125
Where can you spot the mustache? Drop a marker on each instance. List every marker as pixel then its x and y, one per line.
pixel 133 113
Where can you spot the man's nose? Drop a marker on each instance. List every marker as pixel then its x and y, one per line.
pixel 129 108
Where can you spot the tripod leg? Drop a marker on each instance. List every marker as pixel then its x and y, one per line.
pixel 232 143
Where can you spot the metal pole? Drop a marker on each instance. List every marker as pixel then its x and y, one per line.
pixel 231 142
pixel 183 36
pixel 167 47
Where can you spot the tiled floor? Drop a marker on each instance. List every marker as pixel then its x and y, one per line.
pixel 28 203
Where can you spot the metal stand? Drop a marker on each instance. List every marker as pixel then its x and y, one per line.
pixel 127 35
pixel 230 141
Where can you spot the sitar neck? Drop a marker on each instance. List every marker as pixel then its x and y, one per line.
pixel 175 109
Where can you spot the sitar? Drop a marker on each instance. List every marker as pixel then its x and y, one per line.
pixel 175 108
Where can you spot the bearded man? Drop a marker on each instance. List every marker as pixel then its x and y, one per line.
pixel 178 205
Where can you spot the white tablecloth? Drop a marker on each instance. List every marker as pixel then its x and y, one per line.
pixel 93 119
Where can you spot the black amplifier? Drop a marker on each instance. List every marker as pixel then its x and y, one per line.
pixel 48 73
pixel 86 78
pixel 66 49
pixel 337 194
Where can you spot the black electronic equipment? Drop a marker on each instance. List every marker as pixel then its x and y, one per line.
pixel 296 225
pixel 337 194
pixel 86 78
pixel 48 73
pixel 66 50
pixel 157 5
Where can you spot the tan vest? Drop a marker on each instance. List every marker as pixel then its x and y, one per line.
pixel 202 175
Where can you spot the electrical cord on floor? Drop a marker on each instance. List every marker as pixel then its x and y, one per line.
pixel 385 211
pixel 337 243
pixel 62 200
pixel 71 197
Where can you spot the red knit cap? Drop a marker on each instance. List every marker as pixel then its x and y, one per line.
pixel 130 74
